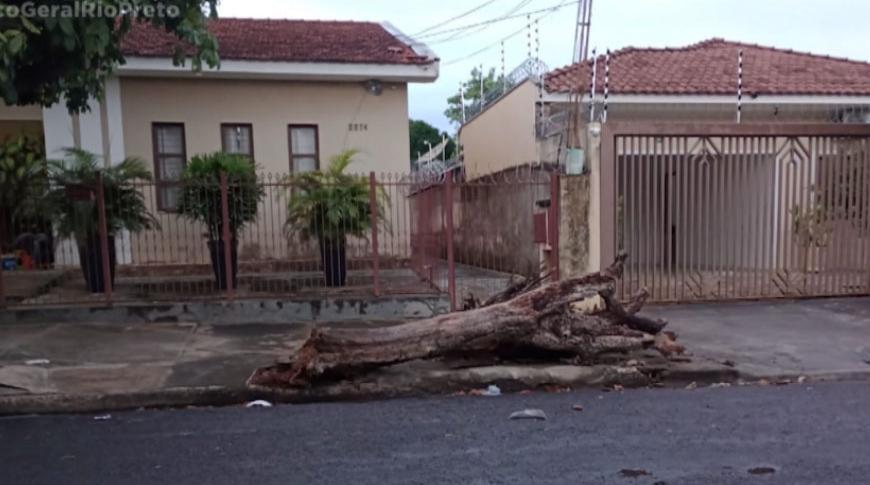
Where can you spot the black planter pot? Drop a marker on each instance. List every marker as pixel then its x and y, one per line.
pixel 91 261
pixel 217 251
pixel 333 257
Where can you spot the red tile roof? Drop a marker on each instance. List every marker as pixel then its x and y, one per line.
pixel 285 40
pixel 710 68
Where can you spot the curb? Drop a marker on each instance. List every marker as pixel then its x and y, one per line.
pixel 384 385
pixel 687 373
pixel 95 403
pixel 416 386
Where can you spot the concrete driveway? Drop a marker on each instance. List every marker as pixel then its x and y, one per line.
pixel 816 338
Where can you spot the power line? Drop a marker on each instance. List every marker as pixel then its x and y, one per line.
pixel 499 19
pixel 462 35
pixel 452 19
pixel 480 51
pixel 508 37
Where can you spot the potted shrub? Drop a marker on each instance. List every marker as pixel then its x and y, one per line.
pixel 201 201
pixel 75 211
pixel 328 206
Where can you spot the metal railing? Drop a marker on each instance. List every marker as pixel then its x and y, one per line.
pixel 402 234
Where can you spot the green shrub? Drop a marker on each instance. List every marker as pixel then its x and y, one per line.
pixel 23 181
pixel 201 194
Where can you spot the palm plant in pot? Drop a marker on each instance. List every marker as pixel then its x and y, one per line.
pixel 73 205
pixel 329 206
pixel 201 201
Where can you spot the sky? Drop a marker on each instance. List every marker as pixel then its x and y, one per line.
pixel 832 27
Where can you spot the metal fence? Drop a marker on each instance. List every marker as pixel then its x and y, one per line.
pixel 712 212
pixel 401 234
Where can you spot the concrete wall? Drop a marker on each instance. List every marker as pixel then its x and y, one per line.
pixel 494 221
pixel 380 130
pixel 503 135
pixel 574 231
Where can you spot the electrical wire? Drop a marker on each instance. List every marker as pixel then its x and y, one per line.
pixel 462 35
pixel 498 19
pixel 484 49
pixel 452 19
pixel 508 37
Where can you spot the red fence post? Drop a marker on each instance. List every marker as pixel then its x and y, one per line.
pixel 431 235
pixel 451 267
pixel 104 238
pixel 226 235
pixel 425 214
pixel 554 225
pixel 373 208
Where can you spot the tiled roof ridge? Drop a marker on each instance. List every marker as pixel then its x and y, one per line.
pixel 702 45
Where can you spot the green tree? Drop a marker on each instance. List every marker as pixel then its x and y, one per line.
pixel 47 53
pixel 422 132
pixel 472 93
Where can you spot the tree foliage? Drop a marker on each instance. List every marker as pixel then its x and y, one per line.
pixel 472 93
pixel 201 193
pixel 23 182
pixel 422 132
pixel 23 174
pixel 45 57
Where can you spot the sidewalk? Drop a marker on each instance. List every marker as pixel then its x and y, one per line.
pixel 818 339
pixel 108 358
pixel 103 366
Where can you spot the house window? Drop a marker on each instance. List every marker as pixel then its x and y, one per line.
pixel 169 159
pixel 304 150
pixel 238 138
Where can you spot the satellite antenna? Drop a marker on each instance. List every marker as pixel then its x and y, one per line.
pixel 581 32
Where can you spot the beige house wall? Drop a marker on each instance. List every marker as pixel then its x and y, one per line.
pixel 551 150
pixel 29 112
pixel 503 135
pixel 380 130
pixel 724 113
pixel 380 134
pixel 17 120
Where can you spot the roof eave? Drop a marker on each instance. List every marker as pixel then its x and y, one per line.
pixel 137 66
pixel 420 48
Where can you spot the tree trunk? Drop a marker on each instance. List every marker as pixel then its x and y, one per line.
pixel 540 322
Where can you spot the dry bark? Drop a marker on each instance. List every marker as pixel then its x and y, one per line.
pixel 513 290
pixel 538 323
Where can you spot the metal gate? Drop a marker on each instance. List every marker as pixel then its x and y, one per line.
pixel 712 212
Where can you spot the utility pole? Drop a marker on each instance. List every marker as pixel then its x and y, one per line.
pixel 581 32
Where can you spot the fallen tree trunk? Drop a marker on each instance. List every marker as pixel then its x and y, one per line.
pixel 540 322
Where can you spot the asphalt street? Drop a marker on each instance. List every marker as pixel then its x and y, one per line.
pixel 796 434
